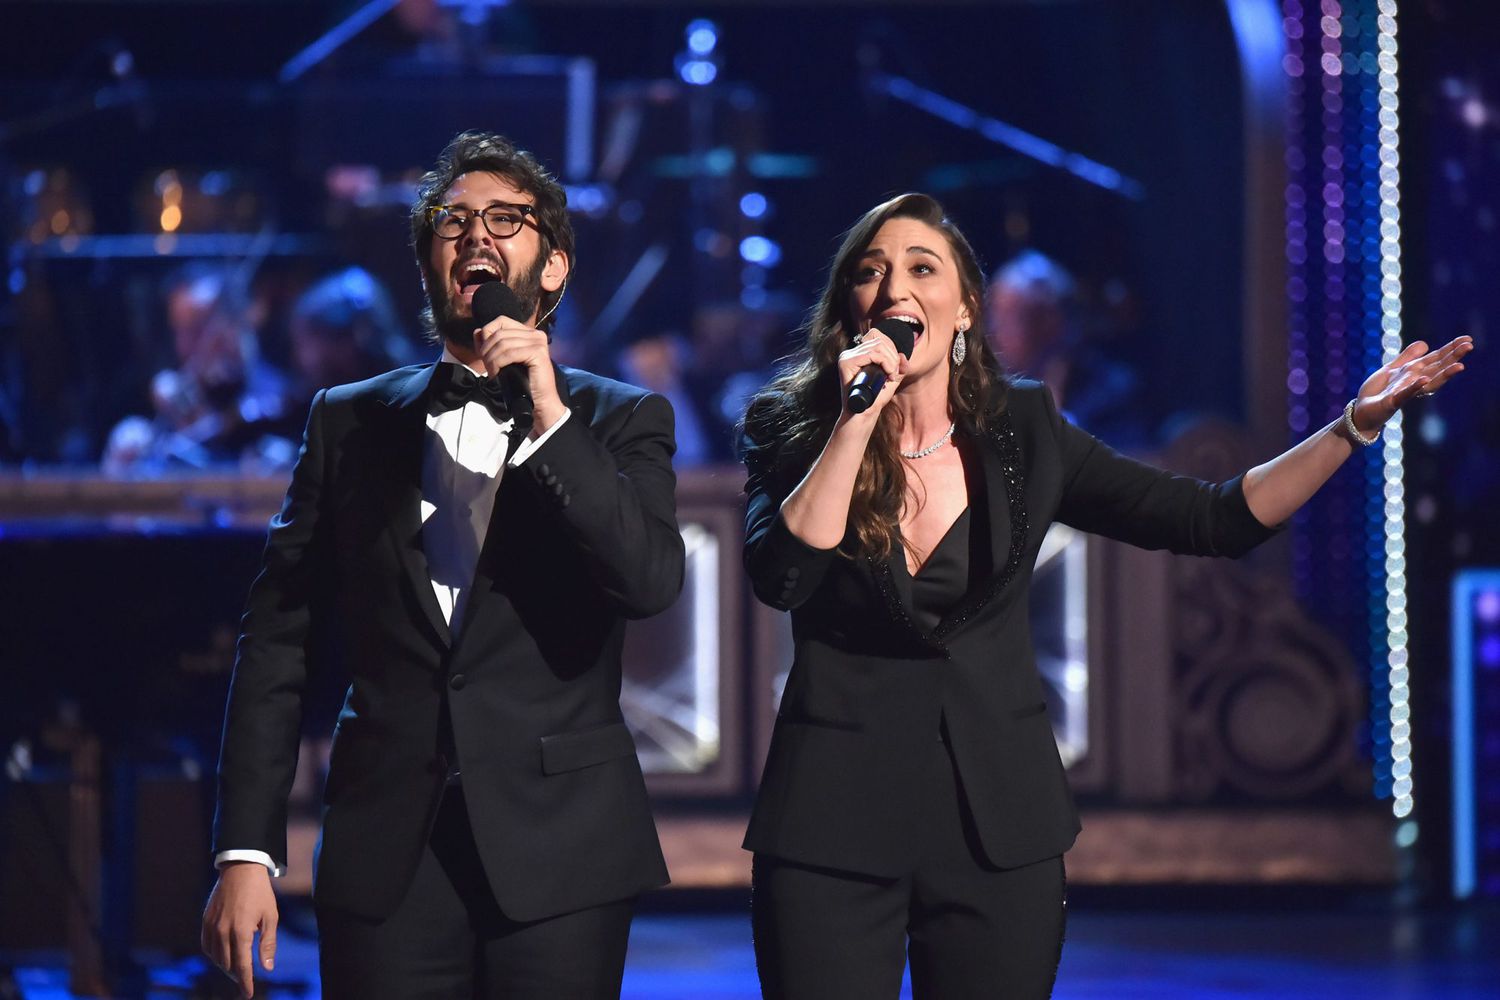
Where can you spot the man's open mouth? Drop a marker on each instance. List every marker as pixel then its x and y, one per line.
pixel 475 273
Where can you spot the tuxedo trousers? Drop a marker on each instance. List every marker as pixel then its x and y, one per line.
pixel 449 940
pixel 969 929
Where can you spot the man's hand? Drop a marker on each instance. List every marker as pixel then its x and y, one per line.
pixel 241 904
pixel 505 342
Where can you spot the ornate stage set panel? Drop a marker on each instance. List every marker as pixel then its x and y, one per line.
pixel 1209 726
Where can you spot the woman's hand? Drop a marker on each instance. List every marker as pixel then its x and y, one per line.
pixel 871 348
pixel 817 511
pixel 1275 489
pixel 1415 372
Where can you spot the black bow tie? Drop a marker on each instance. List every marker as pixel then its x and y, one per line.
pixel 454 385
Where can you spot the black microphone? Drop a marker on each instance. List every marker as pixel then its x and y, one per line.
pixel 492 300
pixel 871 378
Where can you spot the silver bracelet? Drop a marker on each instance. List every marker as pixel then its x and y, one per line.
pixel 1352 432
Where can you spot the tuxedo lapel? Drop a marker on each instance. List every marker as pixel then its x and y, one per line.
pixel 894 587
pixel 998 502
pixel 1005 501
pixel 403 495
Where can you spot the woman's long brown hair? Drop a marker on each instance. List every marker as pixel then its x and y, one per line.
pixel 792 417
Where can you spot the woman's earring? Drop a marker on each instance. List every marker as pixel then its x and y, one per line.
pixel 960 346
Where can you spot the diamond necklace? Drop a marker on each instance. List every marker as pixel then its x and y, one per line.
pixel 923 453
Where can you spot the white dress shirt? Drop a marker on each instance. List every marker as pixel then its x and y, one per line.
pixel 463 458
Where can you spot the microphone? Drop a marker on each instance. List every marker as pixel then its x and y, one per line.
pixel 871 378
pixel 492 300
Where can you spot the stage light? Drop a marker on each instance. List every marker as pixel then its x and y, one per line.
pixel 169 186
pixel 1406 833
pixel 753 205
pixel 1476 683
pixel 587 199
pixel 702 37
pixel 698 64
pixel 759 250
pixel 698 72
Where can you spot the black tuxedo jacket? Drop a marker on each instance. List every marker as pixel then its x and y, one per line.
pixel 525 689
pixel 869 689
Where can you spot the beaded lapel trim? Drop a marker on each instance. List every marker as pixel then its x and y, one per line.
pixel 1004 436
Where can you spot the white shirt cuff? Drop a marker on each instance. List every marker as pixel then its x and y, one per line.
pixel 224 857
pixel 532 444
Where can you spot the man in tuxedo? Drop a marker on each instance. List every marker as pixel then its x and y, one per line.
pixel 485 826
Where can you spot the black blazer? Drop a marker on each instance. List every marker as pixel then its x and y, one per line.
pixel 868 688
pixel 584 535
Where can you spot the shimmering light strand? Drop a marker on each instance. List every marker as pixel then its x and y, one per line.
pixel 1340 571
pixel 1355 532
pixel 1299 350
pixel 1296 222
pixel 1363 156
pixel 1390 343
pixel 1361 152
pixel 1335 251
pixel 1344 296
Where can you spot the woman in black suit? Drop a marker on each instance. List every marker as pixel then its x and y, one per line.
pixel 913 801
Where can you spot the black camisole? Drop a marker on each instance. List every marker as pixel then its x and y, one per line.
pixel 960 561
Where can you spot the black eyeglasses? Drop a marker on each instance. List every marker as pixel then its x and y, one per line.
pixel 500 221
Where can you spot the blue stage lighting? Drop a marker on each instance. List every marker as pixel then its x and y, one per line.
pixel 1475 704
pixel 759 250
pixel 702 37
pixel 697 71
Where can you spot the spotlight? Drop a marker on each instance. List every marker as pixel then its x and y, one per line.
pixel 702 37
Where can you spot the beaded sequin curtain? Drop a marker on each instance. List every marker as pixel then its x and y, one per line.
pixel 1343 230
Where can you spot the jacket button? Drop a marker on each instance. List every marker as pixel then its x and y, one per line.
pixel 793 572
pixel 544 472
pixel 456 682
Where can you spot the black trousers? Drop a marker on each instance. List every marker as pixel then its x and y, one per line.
pixel 448 940
pixel 970 930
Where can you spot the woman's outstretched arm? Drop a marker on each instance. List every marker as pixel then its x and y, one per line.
pixel 1275 489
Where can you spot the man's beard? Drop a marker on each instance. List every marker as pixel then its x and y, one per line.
pixel 459 327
